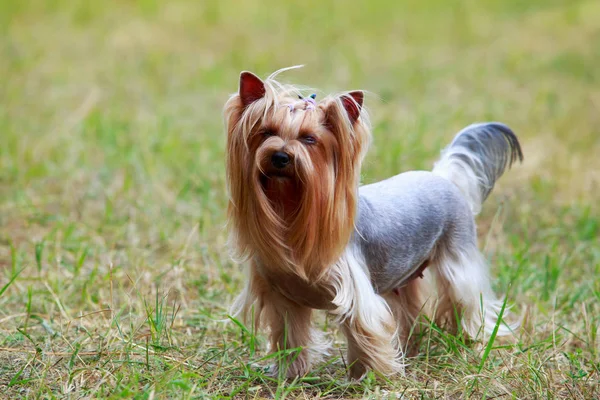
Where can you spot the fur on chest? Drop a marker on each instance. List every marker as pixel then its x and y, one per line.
pixel 317 295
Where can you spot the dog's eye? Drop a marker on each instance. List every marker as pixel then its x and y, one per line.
pixel 308 139
pixel 268 133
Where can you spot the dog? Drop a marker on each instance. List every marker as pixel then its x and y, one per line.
pixel 314 239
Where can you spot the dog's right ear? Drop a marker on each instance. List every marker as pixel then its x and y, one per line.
pixel 252 88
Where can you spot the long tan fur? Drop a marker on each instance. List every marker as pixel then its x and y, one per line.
pixel 294 229
pixel 305 226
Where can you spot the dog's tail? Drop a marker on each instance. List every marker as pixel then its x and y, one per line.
pixel 477 157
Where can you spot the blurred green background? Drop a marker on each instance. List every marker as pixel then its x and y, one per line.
pixel 112 193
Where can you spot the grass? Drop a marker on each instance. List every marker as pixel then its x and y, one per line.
pixel 114 273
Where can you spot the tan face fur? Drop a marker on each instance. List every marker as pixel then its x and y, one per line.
pixel 292 168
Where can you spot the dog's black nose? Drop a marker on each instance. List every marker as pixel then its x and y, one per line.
pixel 280 159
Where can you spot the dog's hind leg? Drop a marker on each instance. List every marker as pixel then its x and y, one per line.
pixel 465 292
pixel 406 304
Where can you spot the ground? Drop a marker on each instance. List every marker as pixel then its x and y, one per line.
pixel 114 273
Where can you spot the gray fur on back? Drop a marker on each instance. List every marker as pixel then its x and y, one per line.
pixel 402 219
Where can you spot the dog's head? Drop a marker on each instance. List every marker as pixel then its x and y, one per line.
pixel 293 167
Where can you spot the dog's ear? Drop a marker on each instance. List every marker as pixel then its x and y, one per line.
pixel 252 88
pixel 353 102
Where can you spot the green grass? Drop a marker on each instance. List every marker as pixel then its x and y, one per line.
pixel 114 274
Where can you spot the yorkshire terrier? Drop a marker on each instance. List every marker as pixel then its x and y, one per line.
pixel 314 239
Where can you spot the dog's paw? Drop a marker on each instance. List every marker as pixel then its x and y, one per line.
pixel 357 371
pixel 295 369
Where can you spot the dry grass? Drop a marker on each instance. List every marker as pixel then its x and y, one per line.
pixel 112 186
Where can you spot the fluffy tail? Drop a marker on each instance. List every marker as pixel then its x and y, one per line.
pixel 477 157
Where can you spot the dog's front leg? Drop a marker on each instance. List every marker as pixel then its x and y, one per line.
pixel 290 328
pixel 366 319
pixel 288 323
pixel 372 341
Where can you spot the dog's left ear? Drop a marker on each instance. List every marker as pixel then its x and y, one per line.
pixel 252 88
pixel 352 103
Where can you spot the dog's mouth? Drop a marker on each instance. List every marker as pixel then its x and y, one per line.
pixel 277 174
pixel 282 189
pixel 277 179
